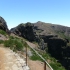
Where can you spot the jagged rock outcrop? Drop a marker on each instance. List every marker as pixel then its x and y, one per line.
pixel 24 30
pixel 3 25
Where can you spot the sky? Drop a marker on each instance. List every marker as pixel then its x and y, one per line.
pixel 22 11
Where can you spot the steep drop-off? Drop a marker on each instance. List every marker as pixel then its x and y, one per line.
pixel 54 37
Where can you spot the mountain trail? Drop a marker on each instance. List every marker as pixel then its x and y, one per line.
pixel 10 60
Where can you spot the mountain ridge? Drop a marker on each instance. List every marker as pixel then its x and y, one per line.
pixel 53 39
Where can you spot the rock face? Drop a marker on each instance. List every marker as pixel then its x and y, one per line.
pixel 3 25
pixel 53 37
pixel 55 47
pixel 25 31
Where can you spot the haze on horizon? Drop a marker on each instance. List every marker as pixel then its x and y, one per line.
pixel 22 11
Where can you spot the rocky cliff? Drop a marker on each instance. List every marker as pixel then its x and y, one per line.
pixel 24 30
pixel 54 37
pixel 3 25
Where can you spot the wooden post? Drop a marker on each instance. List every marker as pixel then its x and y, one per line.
pixel 44 65
pixel 26 55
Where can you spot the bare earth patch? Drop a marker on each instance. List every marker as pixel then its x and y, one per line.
pixel 36 65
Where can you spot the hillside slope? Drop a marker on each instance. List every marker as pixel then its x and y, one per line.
pixel 54 39
pixel 48 28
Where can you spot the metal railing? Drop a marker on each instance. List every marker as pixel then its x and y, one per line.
pixel 45 62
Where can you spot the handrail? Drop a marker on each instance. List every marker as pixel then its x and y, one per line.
pixel 41 57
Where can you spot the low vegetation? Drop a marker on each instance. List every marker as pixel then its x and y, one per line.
pixel 52 61
pixel 35 56
pixel 14 43
pixel 3 32
pixel 57 66
pixel 1 41
pixel 62 35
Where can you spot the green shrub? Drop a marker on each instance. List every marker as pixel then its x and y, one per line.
pixel 19 45
pixel 9 43
pixel 35 56
pixel 1 41
pixel 14 44
pixel 17 38
pixel 56 67
pixel 3 32
pixel 11 37
pixel 6 44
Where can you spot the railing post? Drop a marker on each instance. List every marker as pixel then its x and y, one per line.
pixel 44 65
pixel 26 55
pixel 45 62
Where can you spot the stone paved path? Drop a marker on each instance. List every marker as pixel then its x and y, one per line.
pixel 10 60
